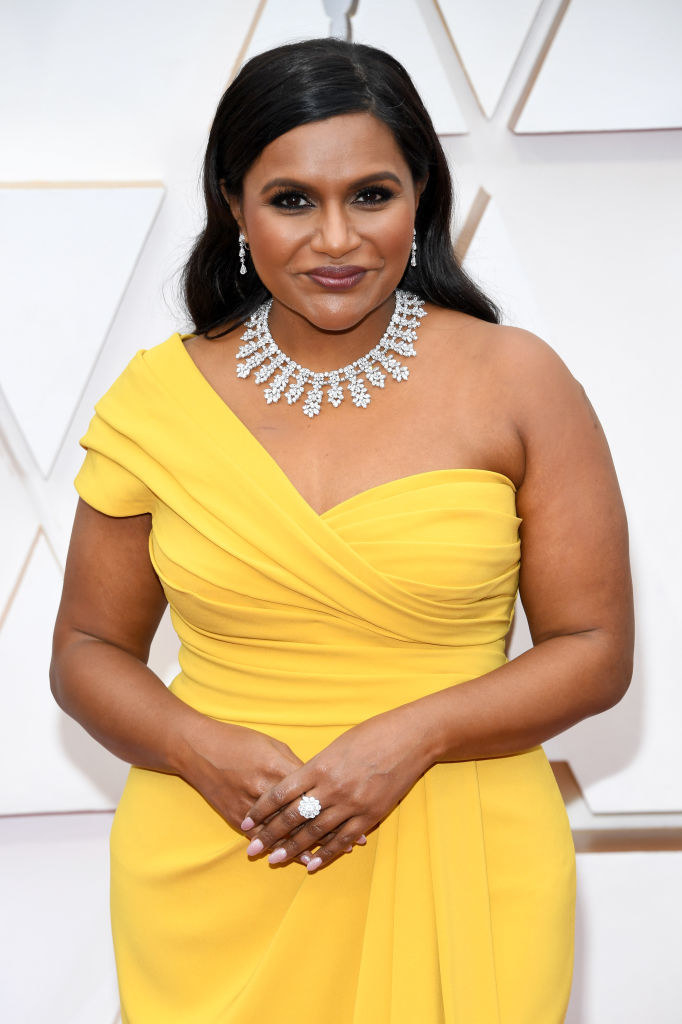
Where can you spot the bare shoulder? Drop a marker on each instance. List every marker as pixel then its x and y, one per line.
pixel 520 395
pixel 566 450
pixel 213 351
pixel 496 342
pixel 539 383
pixel 213 341
pixel 513 351
pixel 526 354
pixel 528 377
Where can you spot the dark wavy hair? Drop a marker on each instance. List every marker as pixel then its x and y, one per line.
pixel 294 85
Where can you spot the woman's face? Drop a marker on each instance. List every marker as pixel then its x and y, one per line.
pixel 328 211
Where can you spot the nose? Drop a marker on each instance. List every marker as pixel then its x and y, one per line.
pixel 335 233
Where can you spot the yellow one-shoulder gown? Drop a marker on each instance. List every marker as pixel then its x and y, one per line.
pixel 460 908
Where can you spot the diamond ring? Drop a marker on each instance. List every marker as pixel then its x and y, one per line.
pixel 309 807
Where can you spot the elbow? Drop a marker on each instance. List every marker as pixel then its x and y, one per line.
pixel 55 683
pixel 58 673
pixel 65 664
pixel 616 681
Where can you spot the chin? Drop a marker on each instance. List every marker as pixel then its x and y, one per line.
pixel 341 311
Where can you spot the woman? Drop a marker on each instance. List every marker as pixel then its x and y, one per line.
pixel 342 583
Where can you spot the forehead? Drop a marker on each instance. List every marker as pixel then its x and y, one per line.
pixel 346 146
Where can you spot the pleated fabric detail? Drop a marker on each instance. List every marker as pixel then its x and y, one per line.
pixel 302 625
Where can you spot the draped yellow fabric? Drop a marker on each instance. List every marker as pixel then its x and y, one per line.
pixel 460 908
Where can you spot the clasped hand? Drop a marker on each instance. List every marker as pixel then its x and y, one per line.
pixel 358 779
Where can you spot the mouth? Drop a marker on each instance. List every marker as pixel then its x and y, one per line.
pixel 337 278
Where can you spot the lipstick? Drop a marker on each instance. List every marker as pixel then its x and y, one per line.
pixel 337 278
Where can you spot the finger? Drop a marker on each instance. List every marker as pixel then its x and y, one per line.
pixel 358 842
pixel 286 790
pixel 296 851
pixel 290 848
pixel 287 850
pixel 286 834
pixel 348 835
pixel 248 825
pixel 289 831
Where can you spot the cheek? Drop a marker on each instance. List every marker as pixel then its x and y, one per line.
pixel 395 237
pixel 272 239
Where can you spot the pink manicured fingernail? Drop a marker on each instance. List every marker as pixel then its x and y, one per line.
pixel 362 840
pixel 304 858
pixel 247 824
pixel 254 847
pixel 314 864
pixel 277 856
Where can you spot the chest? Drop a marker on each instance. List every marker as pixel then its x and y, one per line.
pixel 448 414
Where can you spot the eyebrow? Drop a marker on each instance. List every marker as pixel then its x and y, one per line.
pixel 358 183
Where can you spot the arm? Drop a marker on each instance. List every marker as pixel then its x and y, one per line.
pixel 576 589
pixel 575 578
pixel 111 606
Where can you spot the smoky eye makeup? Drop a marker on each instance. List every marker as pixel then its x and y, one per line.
pixel 289 199
pixel 374 195
pixel 295 199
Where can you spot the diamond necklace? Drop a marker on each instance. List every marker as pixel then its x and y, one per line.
pixel 292 378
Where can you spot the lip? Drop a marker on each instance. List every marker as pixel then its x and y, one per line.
pixel 338 278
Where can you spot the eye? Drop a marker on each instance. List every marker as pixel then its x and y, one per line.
pixel 290 200
pixel 374 195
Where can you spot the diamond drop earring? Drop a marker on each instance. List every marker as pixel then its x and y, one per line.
pixel 413 261
pixel 242 253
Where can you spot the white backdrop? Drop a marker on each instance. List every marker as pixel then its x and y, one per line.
pixel 561 122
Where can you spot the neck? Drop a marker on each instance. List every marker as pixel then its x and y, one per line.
pixel 320 349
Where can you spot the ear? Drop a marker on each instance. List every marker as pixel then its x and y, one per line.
pixel 235 207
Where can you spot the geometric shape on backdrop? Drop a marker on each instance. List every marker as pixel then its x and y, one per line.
pixel 47 761
pixel 282 21
pixel 338 12
pixel 628 939
pixel 421 46
pixel 612 66
pixel 66 257
pixel 54 881
pixel 488 36
pixel 493 263
pixel 614 833
pixel 19 526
